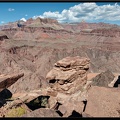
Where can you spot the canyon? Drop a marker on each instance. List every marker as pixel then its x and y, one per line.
pixel 34 49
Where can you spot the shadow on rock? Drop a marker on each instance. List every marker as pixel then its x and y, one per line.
pixel 117 82
pixel 39 102
pixel 4 94
pixel 75 114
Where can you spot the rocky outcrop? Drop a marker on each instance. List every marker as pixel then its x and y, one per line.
pixel 68 80
pixel 25 97
pixel 16 111
pixel 7 80
pixel 68 75
pixel 68 91
pixel 103 79
pixel 18 100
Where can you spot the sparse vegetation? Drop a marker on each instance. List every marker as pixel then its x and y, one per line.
pixel 16 112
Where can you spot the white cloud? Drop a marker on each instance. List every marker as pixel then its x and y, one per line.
pixel 10 9
pixel 87 11
pixel 26 15
pixel 23 19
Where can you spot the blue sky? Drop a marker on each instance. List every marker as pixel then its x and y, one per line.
pixel 108 12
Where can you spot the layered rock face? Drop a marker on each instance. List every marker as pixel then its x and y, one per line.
pixel 68 83
pixel 68 74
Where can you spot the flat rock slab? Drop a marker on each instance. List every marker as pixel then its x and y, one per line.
pixel 103 102
pixel 8 80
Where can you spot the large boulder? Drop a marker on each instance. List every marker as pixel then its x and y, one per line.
pixel 103 102
pixel 69 74
pixel 103 79
pixel 68 80
pixel 8 80
pixel 70 106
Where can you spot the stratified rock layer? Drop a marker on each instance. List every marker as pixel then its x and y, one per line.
pixel 68 82
pixel 69 74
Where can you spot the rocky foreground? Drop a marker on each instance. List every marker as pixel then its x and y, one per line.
pixel 70 93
